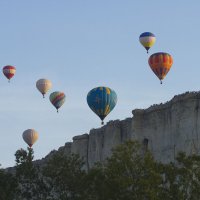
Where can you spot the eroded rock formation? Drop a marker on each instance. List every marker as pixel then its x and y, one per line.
pixel 165 129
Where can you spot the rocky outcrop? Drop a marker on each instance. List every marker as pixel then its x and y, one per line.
pixel 165 129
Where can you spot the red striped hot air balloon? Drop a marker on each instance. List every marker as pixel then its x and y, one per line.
pixel 9 71
pixel 160 64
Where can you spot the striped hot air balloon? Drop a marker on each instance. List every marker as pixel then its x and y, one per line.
pixel 43 85
pixel 160 64
pixel 101 101
pixel 9 71
pixel 57 99
pixel 147 39
pixel 30 136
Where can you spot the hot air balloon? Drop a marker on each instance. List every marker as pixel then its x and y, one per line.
pixel 147 39
pixel 30 136
pixel 43 85
pixel 102 100
pixel 9 71
pixel 57 99
pixel 160 64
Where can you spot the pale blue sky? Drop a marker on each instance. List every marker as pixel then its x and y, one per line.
pixel 80 45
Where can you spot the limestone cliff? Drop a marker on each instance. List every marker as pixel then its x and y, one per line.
pixel 165 129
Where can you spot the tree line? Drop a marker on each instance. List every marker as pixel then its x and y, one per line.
pixel 129 174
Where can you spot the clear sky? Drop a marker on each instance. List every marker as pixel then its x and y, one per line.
pixel 80 45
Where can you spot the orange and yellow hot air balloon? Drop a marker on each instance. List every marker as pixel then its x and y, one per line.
pixel 160 64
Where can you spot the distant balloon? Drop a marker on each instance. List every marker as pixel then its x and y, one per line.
pixel 30 136
pixel 9 71
pixel 102 100
pixel 43 85
pixel 160 64
pixel 147 39
pixel 57 99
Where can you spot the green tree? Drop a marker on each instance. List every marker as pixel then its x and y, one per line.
pixel 30 181
pixel 182 179
pixel 66 177
pixel 8 185
pixel 96 182
pixel 127 174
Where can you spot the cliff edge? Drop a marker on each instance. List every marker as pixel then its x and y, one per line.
pixel 164 129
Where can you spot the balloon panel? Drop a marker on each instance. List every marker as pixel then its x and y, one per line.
pixel 147 41
pixel 147 34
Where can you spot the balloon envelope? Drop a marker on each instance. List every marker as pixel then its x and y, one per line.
pixel 30 136
pixel 43 85
pixel 102 100
pixel 57 99
pixel 160 64
pixel 9 71
pixel 147 39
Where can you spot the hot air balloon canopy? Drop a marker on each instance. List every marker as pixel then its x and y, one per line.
pixel 101 101
pixel 147 39
pixel 160 64
pixel 9 71
pixel 43 85
pixel 57 99
pixel 30 136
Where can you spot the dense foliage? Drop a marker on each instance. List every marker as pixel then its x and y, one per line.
pixel 8 186
pixel 130 173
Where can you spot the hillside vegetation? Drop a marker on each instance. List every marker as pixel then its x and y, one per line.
pixel 130 173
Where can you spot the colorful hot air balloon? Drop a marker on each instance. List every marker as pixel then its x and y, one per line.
pixel 43 85
pixel 30 136
pixel 102 100
pixel 160 64
pixel 147 39
pixel 9 71
pixel 57 99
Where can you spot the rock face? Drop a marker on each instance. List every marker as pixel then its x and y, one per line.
pixel 164 129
